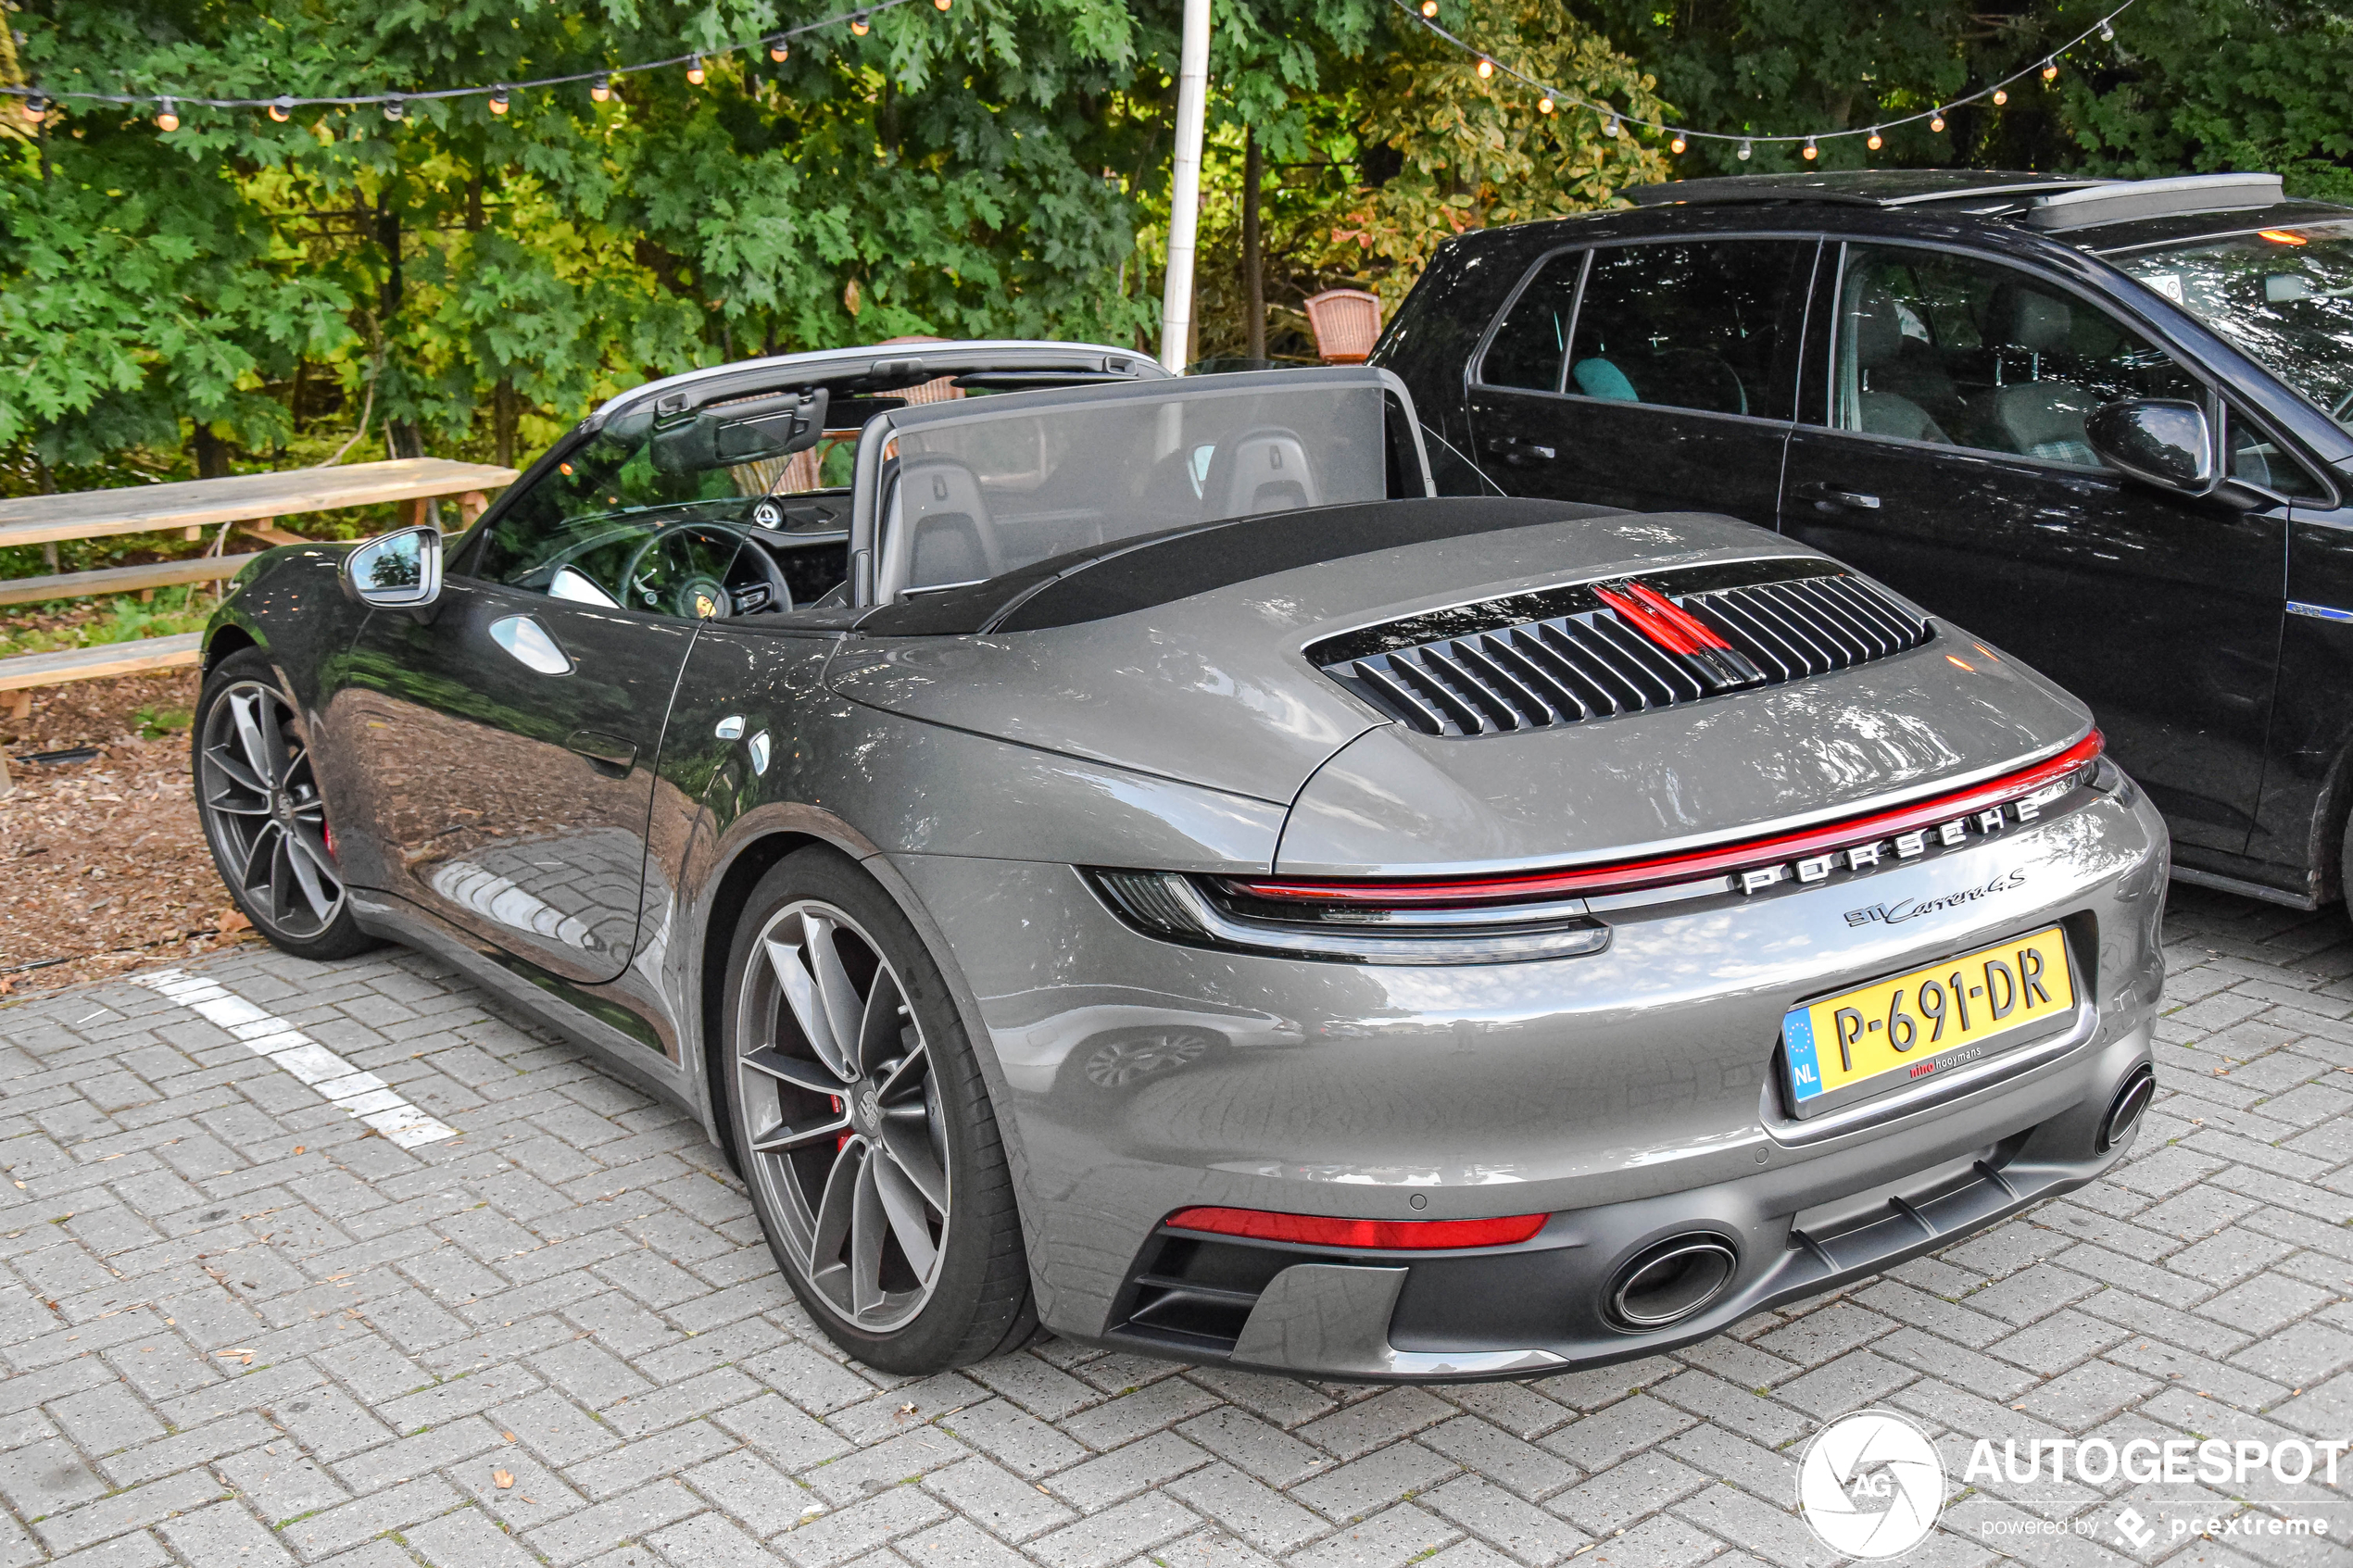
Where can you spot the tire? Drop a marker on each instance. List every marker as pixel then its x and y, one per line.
pixel 264 818
pixel 875 1165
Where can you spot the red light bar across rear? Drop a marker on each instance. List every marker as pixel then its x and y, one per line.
pixel 1316 1230
pixel 1691 864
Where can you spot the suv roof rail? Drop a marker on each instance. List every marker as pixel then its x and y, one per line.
pixel 1861 187
pixel 2123 200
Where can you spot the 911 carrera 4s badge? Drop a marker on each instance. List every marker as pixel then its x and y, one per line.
pixel 1898 1031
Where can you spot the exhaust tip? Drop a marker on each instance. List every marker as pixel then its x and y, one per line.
pixel 2125 1111
pixel 1672 1281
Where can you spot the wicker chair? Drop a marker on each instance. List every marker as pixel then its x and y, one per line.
pixel 1346 323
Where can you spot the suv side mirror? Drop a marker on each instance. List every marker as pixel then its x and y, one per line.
pixel 2156 440
pixel 397 571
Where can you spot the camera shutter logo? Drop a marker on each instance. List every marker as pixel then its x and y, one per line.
pixel 1870 1485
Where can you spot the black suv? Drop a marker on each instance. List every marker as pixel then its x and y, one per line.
pixel 2105 425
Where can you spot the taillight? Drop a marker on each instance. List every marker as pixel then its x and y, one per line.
pixel 1384 1236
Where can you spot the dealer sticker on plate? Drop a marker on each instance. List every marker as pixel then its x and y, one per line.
pixel 1906 1027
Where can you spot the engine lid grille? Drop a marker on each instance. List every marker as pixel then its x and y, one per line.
pixel 1595 650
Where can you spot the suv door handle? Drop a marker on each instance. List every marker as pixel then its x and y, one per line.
pixel 610 753
pixel 1829 497
pixel 1517 453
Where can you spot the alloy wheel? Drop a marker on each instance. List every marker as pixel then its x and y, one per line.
pixel 842 1120
pixel 261 804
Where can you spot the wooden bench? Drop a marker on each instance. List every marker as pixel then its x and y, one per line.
pixel 250 504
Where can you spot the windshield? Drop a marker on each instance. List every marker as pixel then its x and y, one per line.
pixel 2283 298
pixel 1021 479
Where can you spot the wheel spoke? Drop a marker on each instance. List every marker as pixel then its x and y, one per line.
pixel 810 1075
pixel 833 1208
pixel 882 1024
pixel 227 803
pixel 306 864
pixel 901 1077
pixel 234 768
pixel 866 1227
pixel 246 710
pixel 788 959
pixel 844 1012
pixel 783 1139
pixel 910 1219
pixel 907 1141
pixel 255 872
pixel 282 879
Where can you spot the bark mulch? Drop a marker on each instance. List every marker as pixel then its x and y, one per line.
pixel 103 868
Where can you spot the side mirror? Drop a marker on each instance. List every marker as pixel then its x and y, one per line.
pixel 2156 440
pixel 398 570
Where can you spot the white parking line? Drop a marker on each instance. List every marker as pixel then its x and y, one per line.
pixel 265 1034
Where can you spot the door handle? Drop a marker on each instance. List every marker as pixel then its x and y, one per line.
pixel 1829 497
pixel 529 644
pixel 1517 453
pixel 608 752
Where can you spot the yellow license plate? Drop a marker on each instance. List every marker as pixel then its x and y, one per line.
pixel 1892 1032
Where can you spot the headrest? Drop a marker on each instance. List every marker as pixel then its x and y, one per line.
pixel 2027 319
pixel 1879 328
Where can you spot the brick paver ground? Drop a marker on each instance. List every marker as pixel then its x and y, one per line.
pixel 239 1330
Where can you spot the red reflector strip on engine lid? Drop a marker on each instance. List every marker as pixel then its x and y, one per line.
pixel 1317 1230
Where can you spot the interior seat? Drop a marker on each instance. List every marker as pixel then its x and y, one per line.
pixel 2042 417
pixel 950 537
pixel 1879 409
pixel 1265 470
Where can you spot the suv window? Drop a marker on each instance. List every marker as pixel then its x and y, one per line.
pixel 1711 325
pixel 1932 346
pixel 1530 346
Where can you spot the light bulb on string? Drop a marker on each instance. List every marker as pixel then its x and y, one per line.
pixel 1486 67
pixel 600 86
pixel 1747 150
pixel 1429 8
pixel 396 107
pixel 2107 33
pixel 1544 105
pixel 779 50
pixel 1677 146
pixel 941 5
pixel 1611 126
pixel 36 106
pixel 167 117
pixel 2001 96
pixel 1874 141
pixel 282 110
pixel 695 73
pixel 1811 152
pixel 1936 121
pixel 2050 69
pixel 859 25
pixel 498 99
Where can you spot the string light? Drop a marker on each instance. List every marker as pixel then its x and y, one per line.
pixel 36 106
pixel 167 118
pixel 1874 141
pixel 2050 69
pixel 1486 67
pixel 1936 121
pixel 1748 149
pixel 396 107
pixel 498 100
pixel 1677 144
pixel 1811 152
pixel 1429 8
pixel 941 5
pixel 1611 126
pixel 778 50
pixel 282 110
pixel 600 86
pixel 694 72
pixel 858 25
pixel 2001 96
pixel 1545 104
pixel 2107 33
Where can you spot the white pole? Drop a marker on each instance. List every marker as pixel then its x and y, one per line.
pixel 1184 198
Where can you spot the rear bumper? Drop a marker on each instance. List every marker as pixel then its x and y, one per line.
pixel 1633 1094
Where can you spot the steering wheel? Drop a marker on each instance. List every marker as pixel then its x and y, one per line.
pixel 697 571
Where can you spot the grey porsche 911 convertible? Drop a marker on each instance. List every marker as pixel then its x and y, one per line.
pixel 1121 853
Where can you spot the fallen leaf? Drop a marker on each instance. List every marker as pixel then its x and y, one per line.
pixel 298 1148
pixel 507 1436
pixel 908 1409
pixel 232 919
pixel 502 1479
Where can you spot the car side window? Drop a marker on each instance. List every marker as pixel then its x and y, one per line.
pixel 1932 346
pixel 1533 337
pixel 1710 325
pixel 2253 457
